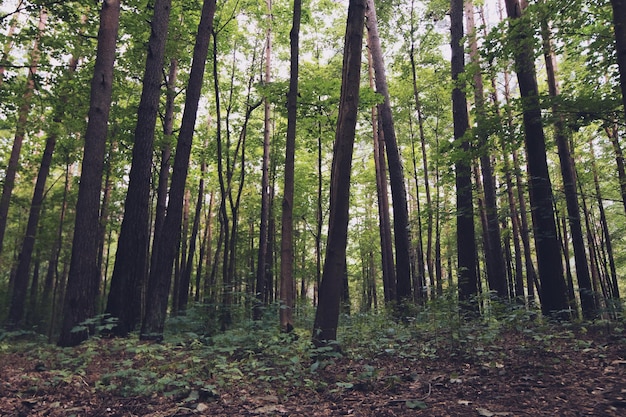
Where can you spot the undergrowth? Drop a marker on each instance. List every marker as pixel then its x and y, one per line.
pixel 197 363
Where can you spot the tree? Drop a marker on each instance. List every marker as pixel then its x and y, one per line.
pixel 83 279
pixel 20 130
pixel 16 310
pixel 568 172
pixel 131 259
pixel 396 174
pixel 160 278
pixel 261 271
pixel 327 313
pixel 287 283
pixel 553 290
pixel 619 26
pixel 466 245
pixel 494 258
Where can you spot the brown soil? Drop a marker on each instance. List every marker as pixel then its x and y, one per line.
pixel 522 375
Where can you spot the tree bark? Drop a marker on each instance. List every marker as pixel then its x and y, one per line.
pixel 466 244
pixel 131 259
pixel 261 269
pixel 287 291
pixel 160 278
pixel 568 172
pixel 327 313
pixel 82 283
pixel 554 292
pixel 20 131
pixel 16 310
pixel 494 255
pixel 386 242
pixel 401 225
pixel 619 26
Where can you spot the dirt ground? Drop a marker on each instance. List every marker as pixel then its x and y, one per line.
pixel 583 375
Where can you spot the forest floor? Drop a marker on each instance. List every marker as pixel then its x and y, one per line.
pixel 500 368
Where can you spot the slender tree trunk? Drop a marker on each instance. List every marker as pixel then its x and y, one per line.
pixel 495 256
pixel 554 294
pixel 82 284
pixel 286 246
pixel 619 26
pixel 184 288
pixel 327 313
pixel 261 270
pixel 51 287
pixel 131 259
pixel 164 170
pixel 386 243
pixel 401 225
pixel 160 278
pixel 568 171
pixel 466 244
pixel 612 269
pixel 612 132
pixel 16 310
pixel 20 131
pixel 420 121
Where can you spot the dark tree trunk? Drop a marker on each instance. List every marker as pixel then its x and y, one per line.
pixel 401 225
pixel 164 170
pixel 16 310
pixel 429 211
pixel 327 313
pixel 494 254
pixel 261 269
pixel 131 259
pixel 619 25
pixel 466 244
pixel 82 282
pixel 20 132
pixel 185 281
pixel 612 132
pixel 386 242
pixel 160 278
pixel 568 172
pixel 554 293
pixel 287 295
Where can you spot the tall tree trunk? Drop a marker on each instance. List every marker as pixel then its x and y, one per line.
pixel 568 172
pixel 82 283
pixel 51 282
pixel 131 259
pixel 327 313
pixel 386 243
pixel 20 130
pixel 466 244
pixel 554 294
pixel 160 278
pixel 420 121
pixel 185 281
pixel 16 310
pixel 164 169
pixel 261 270
pixel 401 225
pixel 619 25
pixel 612 132
pixel 612 269
pixel 495 256
pixel 287 296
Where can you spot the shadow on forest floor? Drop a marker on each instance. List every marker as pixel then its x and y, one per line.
pixel 506 367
